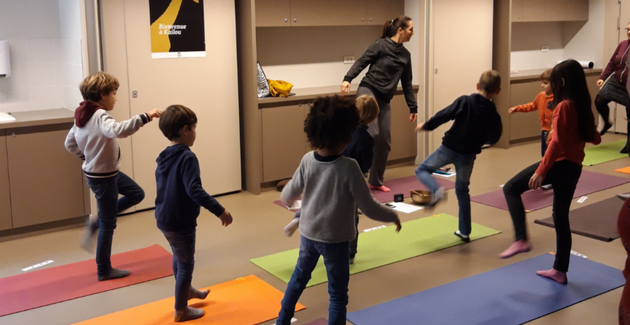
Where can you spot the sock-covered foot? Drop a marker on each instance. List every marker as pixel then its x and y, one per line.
pixel 553 274
pixel 290 228
pixel 114 274
pixel 607 126
pixel 517 247
pixel 187 314
pixel 381 188
pixel 437 196
pixel 196 294
pixel 464 238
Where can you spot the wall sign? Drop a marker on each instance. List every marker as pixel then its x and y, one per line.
pixel 177 29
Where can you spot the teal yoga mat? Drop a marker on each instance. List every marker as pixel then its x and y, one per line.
pixel 382 246
pixel 603 153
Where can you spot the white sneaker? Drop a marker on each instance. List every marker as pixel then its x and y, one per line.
pixel 292 227
pixel 438 195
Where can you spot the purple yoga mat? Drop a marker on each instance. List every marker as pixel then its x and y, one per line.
pixel 590 182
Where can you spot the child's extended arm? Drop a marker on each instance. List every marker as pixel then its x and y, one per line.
pixel 366 202
pixel 123 129
pixel 530 107
pixel 294 187
pixel 447 114
pixel 71 144
pixel 192 182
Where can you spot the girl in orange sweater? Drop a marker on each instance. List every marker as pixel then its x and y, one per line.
pixel 573 125
pixel 542 104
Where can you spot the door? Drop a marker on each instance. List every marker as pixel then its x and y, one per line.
pixel 462 49
pixel 207 85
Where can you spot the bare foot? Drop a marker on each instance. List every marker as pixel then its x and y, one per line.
pixel 517 247
pixel 187 314
pixel 553 274
pixel 381 188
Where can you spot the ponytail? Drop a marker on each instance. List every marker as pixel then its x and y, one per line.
pixel 390 28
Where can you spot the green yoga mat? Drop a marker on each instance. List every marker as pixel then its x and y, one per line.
pixel 604 152
pixel 382 246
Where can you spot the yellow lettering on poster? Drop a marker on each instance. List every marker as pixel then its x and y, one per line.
pixel 161 28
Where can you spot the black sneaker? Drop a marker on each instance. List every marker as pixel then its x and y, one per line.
pixel 464 238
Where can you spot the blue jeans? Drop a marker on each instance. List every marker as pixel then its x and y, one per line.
pixel 463 167
pixel 106 191
pixel 543 142
pixel 336 260
pixel 183 247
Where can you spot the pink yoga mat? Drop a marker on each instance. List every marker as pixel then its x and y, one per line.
pixel 590 182
pixel 56 284
pixel 399 186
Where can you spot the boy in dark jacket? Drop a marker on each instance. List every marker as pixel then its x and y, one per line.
pixel 178 201
pixel 476 122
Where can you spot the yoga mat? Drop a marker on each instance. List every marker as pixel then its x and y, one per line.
pixel 597 220
pixel 319 321
pixel 56 284
pixel 513 294
pixel 382 246
pixel 246 300
pixel 625 170
pixel 404 185
pixel 590 182
pixel 399 186
pixel 603 153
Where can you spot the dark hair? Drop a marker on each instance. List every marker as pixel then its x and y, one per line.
pixel 391 26
pixel 331 121
pixel 568 82
pixel 490 81
pixel 97 85
pixel 174 118
pixel 545 75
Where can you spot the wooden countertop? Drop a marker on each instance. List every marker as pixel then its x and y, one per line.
pixel 307 94
pixel 42 117
pixel 533 74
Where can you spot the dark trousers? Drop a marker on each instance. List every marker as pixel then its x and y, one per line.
pixel 106 191
pixel 563 176
pixel 601 104
pixel 183 246
pixel 543 142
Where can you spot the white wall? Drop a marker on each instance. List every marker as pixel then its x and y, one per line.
pixel 582 41
pixel 43 59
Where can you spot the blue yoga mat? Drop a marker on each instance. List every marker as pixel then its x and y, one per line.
pixel 513 294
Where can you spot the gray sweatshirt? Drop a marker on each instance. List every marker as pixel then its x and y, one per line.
pixel 389 63
pixel 97 142
pixel 331 191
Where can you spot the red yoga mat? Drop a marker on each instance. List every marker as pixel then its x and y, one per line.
pixel 66 282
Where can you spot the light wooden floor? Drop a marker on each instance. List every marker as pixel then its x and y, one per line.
pixel 224 253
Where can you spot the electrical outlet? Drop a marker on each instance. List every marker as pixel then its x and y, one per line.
pixel 348 59
pixel 544 48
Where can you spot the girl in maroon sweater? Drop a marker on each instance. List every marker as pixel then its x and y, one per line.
pixel 572 125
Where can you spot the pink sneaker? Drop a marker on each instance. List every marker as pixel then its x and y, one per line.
pixel 517 247
pixel 381 188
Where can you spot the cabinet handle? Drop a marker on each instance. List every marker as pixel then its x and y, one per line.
pixel 362 19
pixel 294 20
pixel 370 19
pixel 286 20
pixel 13 134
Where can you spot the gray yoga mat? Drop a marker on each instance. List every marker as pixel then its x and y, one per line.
pixel 597 220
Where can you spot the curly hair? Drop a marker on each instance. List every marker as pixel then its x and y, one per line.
pixel 331 121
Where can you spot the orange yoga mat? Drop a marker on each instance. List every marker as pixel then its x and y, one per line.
pixel 56 284
pixel 625 170
pixel 248 300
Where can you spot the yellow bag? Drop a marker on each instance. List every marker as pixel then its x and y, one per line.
pixel 280 88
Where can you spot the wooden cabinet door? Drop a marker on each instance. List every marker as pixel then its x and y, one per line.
pixel 566 10
pixel 311 12
pixel 380 11
pixel 524 125
pixel 533 10
pixel 273 13
pixel 555 10
pixel 283 140
pixel 517 10
pixel 404 137
pixel 5 194
pixel 577 10
pixel 347 13
pixel 46 180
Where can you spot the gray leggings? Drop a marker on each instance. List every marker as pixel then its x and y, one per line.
pixel 380 130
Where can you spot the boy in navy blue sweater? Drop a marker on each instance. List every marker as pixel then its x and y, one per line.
pixel 361 149
pixel 177 205
pixel 476 122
